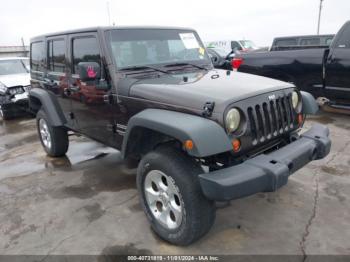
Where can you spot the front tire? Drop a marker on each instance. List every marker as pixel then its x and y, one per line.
pixel 171 196
pixel 53 139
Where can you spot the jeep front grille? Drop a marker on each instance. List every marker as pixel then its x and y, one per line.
pixel 271 119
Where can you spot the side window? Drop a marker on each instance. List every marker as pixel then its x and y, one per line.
pixel 310 41
pixel 344 40
pixel 236 45
pixel 56 55
pixel 85 50
pixel 329 41
pixel 286 42
pixel 36 56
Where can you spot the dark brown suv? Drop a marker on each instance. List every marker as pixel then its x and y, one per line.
pixel 198 134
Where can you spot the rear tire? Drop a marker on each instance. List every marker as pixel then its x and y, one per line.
pixel 4 115
pixel 171 196
pixel 53 139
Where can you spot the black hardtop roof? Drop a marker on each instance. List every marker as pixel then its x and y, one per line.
pixel 105 28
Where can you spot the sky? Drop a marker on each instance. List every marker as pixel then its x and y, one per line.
pixel 257 20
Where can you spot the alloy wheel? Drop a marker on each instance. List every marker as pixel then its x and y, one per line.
pixel 164 199
pixel 45 133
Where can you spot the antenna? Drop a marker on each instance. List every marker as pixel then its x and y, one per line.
pixel 24 47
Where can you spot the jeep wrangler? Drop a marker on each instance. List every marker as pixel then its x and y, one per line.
pixel 198 134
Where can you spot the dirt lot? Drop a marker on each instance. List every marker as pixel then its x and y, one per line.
pixel 87 203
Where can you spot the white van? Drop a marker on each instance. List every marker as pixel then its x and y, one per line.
pixel 231 46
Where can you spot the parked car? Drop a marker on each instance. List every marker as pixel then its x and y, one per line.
pixel 220 58
pixel 324 72
pixel 298 42
pixel 198 134
pixel 233 46
pixel 14 84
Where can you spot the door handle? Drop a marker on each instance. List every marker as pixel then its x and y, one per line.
pixel 331 59
pixel 110 98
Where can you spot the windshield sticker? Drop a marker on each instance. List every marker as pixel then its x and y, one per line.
pixel 201 51
pixel 189 40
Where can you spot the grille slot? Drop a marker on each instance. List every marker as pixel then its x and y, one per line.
pixel 268 120
pixel 253 128
pixel 268 124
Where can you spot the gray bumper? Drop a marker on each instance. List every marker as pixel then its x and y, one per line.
pixel 266 173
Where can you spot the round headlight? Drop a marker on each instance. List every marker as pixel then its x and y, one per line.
pixel 295 100
pixel 233 119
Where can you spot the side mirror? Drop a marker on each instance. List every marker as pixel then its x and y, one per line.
pixel 89 71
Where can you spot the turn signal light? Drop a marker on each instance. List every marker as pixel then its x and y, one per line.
pixel 300 119
pixel 188 144
pixel 236 63
pixel 236 145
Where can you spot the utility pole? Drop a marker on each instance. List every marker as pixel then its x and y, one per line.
pixel 108 13
pixel 319 17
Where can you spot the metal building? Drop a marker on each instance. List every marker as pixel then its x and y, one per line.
pixel 7 51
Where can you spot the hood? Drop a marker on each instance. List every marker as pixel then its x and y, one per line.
pixel 219 86
pixel 15 80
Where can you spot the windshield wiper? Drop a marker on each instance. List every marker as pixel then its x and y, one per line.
pixel 184 64
pixel 130 68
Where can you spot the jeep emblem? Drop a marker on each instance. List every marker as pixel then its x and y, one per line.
pixel 272 97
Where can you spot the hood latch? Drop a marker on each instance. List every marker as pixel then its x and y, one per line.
pixel 208 109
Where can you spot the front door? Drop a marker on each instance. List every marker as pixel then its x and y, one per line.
pixel 337 85
pixel 94 116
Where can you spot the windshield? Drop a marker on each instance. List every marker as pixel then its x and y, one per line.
pixel 247 44
pixel 142 47
pixel 15 66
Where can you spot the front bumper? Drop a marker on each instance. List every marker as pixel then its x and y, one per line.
pixel 266 173
pixel 15 106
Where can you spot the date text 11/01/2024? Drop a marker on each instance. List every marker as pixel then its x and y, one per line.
pixel 174 258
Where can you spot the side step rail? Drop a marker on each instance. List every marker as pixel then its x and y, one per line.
pixel 332 107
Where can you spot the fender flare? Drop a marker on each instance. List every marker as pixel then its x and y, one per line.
pixel 310 106
pixel 50 105
pixel 208 137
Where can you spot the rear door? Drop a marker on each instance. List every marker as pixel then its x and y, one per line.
pixel 337 71
pixel 56 78
pixel 94 117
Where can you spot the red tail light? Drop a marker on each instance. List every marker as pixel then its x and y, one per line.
pixel 236 63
